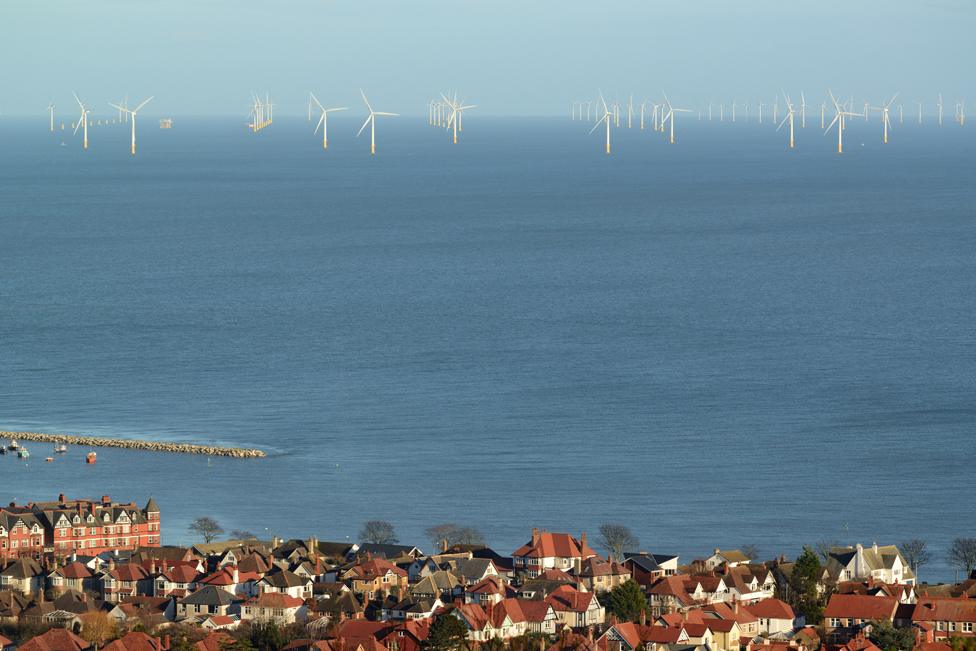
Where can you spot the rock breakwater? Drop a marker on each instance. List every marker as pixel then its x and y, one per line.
pixel 135 444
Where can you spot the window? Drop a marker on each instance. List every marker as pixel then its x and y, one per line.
pixel 967 627
pixel 834 622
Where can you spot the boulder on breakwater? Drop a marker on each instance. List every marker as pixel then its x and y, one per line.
pixel 135 444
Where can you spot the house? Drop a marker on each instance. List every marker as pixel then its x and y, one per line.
pixel 422 567
pixel 286 582
pixel 774 616
pixel 631 636
pixel 904 592
pixel 12 604
pixel 490 590
pixel 207 601
pixel 548 550
pixel 471 570
pixel 55 639
pixel 576 609
pixel 147 611
pixel 598 575
pixel 215 641
pixel 947 617
pixel 23 575
pixel 138 641
pixel 73 576
pixel 246 584
pixel 883 564
pixel 277 607
pixel 412 608
pixel 221 623
pixel 124 581
pixel 375 576
pixel 178 580
pixel 385 551
pixel 440 584
pixel 646 568
pixel 669 594
pixel 846 615
pixel 727 557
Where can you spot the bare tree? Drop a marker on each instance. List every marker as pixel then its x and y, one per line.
pixel 823 549
pixel 962 555
pixel 207 528
pixel 453 534
pixel 97 627
pixel 378 532
pixel 615 538
pixel 751 552
pixel 242 534
pixel 916 554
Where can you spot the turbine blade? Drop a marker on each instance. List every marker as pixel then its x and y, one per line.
pixel 144 102
pixel 316 100
pixel 365 100
pixel 358 133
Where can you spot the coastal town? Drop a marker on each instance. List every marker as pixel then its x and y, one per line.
pixel 84 575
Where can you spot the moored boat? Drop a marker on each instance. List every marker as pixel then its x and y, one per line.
pixel 23 453
pixel 13 444
pixel 91 457
pixel 60 448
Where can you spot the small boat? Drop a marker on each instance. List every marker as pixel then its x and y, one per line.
pixel 91 457
pixel 60 448
pixel 49 459
pixel 23 453
pixel 3 450
pixel 13 444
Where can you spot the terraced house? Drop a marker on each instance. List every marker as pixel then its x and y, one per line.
pixel 83 526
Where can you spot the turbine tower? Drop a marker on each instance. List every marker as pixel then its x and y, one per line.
pixel 371 122
pixel 132 113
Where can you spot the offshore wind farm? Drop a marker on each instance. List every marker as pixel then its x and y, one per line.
pixel 702 268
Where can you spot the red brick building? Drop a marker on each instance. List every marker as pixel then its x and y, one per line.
pixel 85 527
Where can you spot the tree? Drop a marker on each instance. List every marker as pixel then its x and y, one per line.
pixel 804 586
pixel 266 636
pixel 206 528
pixel 242 534
pixel 751 552
pixel 627 601
pixel 378 532
pixel 916 554
pixel 615 538
pixel 889 638
pixel 823 549
pixel 962 555
pixel 97 627
pixel 447 633
pixel 453 534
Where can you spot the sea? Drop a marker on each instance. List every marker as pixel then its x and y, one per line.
pixel 718 342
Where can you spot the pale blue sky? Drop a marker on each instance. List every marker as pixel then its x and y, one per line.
pixel 508 56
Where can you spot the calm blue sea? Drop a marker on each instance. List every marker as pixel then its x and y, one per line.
pixel 719 342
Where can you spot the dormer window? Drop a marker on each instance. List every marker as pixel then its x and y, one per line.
pixel 90 518
pixel 76 519
pixel 106 518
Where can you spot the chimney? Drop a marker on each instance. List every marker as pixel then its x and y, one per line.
pixel 875 546
pixel 444 546
pixel 61 499
pixel 535 536
pixel 105 500
pixel 582 541
pixel 643 617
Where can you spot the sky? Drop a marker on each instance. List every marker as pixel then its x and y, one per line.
pixel 511 57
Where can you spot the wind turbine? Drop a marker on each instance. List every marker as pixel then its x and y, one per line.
pixel 324 120
pixel 940 109
pixel 457 109
pixel 886 121
pixel 371 122
pixel 50 109
pixel 630 111
pixel 607 116
pixel 643 109
pixel 803 111
pixel 789 118
pixel 133 113
pixel 670 116
pixel 760 111
pixel 82 121
pixel 840 119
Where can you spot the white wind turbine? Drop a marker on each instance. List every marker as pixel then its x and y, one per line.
pixel 324 120
pixel 788 118
pixel 607 117
pixel 82 121
pixel 940 109
pixel 840 119
pixel 457 110
pixel 132 113
pixel 803 111
pixel 670 115
pixel 371 122
pixel 50 109
pixel 885 119
pixel 760 111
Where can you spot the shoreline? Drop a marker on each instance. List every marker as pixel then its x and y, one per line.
pixel 136 444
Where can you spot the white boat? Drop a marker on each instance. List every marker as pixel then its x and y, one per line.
pixel 13 444
pixel 60 448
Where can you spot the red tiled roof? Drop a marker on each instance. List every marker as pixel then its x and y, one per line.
pixel 945 609
pixel 56 639
pixel 129 572
pixel 546 544
pixel 856 606
pixel 771 609
pixel 275 600
pixel 135 641
pixel 214 642
pixel 75 570
pixel 566 598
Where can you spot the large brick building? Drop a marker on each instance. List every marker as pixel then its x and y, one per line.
pixel 85 527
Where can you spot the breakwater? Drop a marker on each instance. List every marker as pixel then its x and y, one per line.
pixel 135 444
